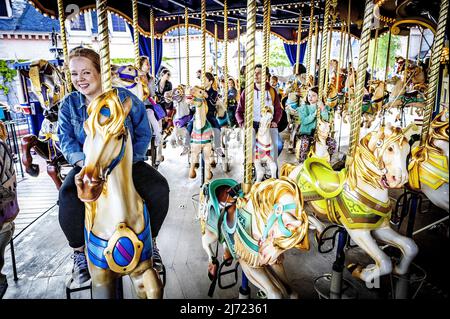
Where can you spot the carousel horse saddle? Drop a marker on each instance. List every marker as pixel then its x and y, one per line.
pixel 124 250
pixel 323 179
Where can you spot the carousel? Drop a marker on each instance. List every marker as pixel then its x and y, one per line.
pixel 314 191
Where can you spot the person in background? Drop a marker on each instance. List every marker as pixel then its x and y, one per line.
pixel 162 87
pixel 232 102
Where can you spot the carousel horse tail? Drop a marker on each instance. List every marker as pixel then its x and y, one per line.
pixel 287 169
pixel 28 142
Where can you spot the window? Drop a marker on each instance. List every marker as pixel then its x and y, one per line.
pixel 118 24
pixel 5 9
pixel 79 24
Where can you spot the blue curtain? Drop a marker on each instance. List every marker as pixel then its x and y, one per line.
pixel 291 52
pixel 145 47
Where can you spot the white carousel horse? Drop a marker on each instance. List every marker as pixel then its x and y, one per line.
pixel 8 201
pixel 49 86
pixel 202 133
pixel 358 198
pixel 264 150
pixel 180 135
pixel 117 226
pixel 256 229
pixel 320 148
pixel 129 77
pixel 428 170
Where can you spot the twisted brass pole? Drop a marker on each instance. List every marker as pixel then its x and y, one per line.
pixel 355 109
pixel 105 61
pixel 216 66
pixel 203 27
pixel 316 36
pixel 62 27
pixel 135 32
pixel 186 26
pixel 375 51
pixel 299 40
pixel 323 50
pixel 434 70
pixel 239 57
pixel 265 64
pixel 341 53
pixel 152 36
pixel 225 64
pixel 310 33
pixel 249 93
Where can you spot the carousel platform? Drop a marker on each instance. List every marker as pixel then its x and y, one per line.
pixel 44 264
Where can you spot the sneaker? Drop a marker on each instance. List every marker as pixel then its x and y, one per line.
pixel 80 271
pixel 157 260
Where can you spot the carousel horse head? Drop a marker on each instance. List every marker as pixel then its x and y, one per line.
pixel 266 116
pixel 400 64
pixel 332 95
pixel 279 218
pixel 323 130
pixel 416 74
pixel 178 93
pixel 128 77
pixel 48 83
pixel 106 143
pixel 197 95
pixel 380 159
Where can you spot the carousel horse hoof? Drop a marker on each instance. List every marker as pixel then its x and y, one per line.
pixel 197 165
pixel 355 270
pixel 33 170
pixel 209 175
pixel 192 173
pixel 213 164
pixel 227 258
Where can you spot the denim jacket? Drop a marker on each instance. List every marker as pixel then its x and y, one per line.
pixel 73 114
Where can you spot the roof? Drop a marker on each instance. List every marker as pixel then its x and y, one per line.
pixel 26 65
pixel 25 18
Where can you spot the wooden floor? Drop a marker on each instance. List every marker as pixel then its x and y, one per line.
pixel 43 255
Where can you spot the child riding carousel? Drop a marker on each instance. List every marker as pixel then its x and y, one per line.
pixel 308 119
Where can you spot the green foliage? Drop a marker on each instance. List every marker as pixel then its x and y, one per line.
pixel 6 76
pixel 382 49
pixel 122 61
pixel 278 57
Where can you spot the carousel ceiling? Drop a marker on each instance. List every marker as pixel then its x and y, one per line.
pixel 169 14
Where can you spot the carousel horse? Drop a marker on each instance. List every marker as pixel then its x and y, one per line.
pixel 428 169
pixel 358 199
pixel 255 229
pixel 9 207
pixel 264 150
pixel 202 133
pixel 117 223
pixel 48 84
pixel 373 102
pixel 291 103
pixel 324 145
pixel 180 134
pixel 128 77
pixel 331 95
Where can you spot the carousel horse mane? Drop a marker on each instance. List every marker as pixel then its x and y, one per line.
pixel 365 157
pixel 439 130
pixel 3 131
pixel 264 196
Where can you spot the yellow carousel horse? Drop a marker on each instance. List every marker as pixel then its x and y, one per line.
pixel 358 198
pixel 117 224
pixel 256 229
pixel 428 169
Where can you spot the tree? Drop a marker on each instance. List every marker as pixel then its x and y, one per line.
pixel 382 49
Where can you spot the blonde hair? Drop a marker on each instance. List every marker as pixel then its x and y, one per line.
pixel 87 53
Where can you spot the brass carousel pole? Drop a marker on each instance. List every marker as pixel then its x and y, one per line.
pixel 316 36
pixel 105 61
pixel 310 34
pixel 375 51
pixel 299 40
pixel 407 52
pixel 323 51
pixel 216 67
pixel 152 35
pixel 420 45
pixel 225 63
pixel 341 53
pixel 135 33
pixel 249 93
pixel 387 56
pixel 203 27
pixel 265 64
pixel 239 58
pixel 434 70
pixel 355 107
pixel 186 26
pixel 62 27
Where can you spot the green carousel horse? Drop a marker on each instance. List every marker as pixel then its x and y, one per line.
pixel 358 198
pixel 256 229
